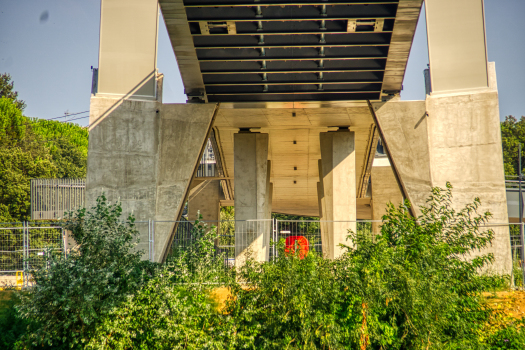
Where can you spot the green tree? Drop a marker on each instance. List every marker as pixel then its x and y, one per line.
pixel 6 90
pixel 34 148
pixel 512 134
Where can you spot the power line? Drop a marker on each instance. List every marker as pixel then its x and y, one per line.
pixel 63 116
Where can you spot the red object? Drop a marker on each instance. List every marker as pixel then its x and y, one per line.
pixel 302 244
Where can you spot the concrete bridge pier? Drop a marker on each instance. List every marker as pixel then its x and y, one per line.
pixel 338 185
pixel 253 197
pixel 142 153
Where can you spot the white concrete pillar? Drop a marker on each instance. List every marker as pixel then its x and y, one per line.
pixel 128 49
pixel 252 196
pixel 456 45
pixel 338 180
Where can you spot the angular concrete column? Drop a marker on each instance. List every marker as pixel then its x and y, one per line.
pixel 338 182
pixel 252 196
pixel 385 189
pixel 206 201
pixel 454 138
pixel 144 154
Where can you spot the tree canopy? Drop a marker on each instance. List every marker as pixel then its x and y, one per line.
pixel 33 148
pixel 6 90
pixel 512 134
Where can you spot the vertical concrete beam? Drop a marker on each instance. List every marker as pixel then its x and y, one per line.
pixel 252 196
pixel 339 189
pixel 128 48
pixel 456 45
pixel 206 201
pixel 385 189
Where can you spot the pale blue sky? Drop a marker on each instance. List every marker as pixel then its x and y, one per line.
pixel 49 56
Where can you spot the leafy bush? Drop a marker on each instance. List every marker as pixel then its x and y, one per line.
pixel 12 325
pixel 71 294
pixel 417 285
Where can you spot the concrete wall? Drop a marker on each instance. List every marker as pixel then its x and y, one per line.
pixel 385 190
pixel 206 201
pixel 456 45
pixel 144 154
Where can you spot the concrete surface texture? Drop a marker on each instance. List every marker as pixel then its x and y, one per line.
pixel 454 138
pixel 205 200
pixel 294 148
pixel 128 48
pixel 456 45
pixel 252 195
pixel 339 190
pixel 144 154
pixel 385 190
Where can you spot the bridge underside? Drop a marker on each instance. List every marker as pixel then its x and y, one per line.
pixel 295 96
pixel 294 150
pixel 291 51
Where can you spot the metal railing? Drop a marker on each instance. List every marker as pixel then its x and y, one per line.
pixel 51 198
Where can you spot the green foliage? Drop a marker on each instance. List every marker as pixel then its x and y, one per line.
pixel 12 326
pixel 71 294
pixel 416 285
pixel 6 90
pixel 512 134
pixel 418 281
pixel 33 148
pixel 288 303
pixel 174 309
pixel 16 168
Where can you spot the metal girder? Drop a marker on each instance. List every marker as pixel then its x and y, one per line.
pixel 285 46
pixel 281 4
pixel 262 32
pixel 279 47
pixel 258 59
pixel 294 71
pixel 317 82
pixel 300 19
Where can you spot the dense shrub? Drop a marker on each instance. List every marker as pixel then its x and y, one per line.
pixel 72 294
pixel 417 285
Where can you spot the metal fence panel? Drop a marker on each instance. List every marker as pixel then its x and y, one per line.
pixel 52 198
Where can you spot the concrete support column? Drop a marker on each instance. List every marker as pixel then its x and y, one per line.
pixel 128 49
pixel 338 184
pixel 252 196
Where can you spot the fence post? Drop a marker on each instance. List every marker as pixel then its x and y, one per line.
pixel 522 255
pixel 275 236
pixel 25 253
pixel 149 239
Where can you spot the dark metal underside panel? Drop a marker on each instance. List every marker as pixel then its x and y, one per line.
pixel 287 50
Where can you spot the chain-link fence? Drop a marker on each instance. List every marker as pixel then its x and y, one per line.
pixel 23 246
